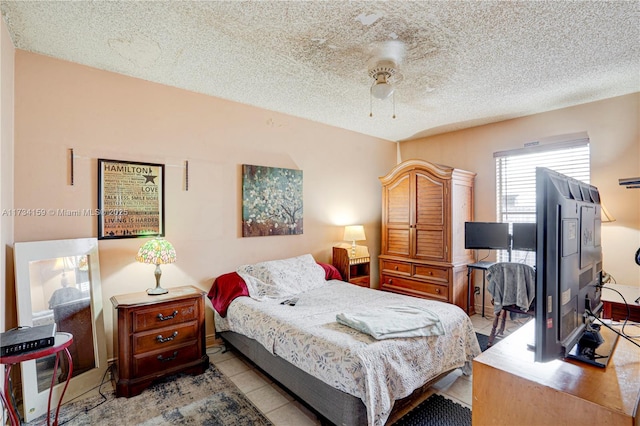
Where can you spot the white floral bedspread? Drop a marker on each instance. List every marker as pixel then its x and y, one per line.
pixel 376 371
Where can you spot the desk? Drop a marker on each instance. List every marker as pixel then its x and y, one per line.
pixel 509 388
pixel 614 306
pixel 483 266
pixel 61 343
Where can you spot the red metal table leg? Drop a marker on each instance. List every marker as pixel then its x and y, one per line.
pixel 53 379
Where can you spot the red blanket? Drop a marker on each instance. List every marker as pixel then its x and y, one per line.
pixel 227 287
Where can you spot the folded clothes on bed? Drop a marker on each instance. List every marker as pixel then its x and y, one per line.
pixel 394 321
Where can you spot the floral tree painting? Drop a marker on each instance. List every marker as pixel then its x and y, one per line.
pixel 271 201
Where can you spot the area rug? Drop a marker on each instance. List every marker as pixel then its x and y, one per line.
pixel 483 340
pixel 437 411
pixel 206 399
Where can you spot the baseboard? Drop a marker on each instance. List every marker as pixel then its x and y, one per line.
pixel 211 340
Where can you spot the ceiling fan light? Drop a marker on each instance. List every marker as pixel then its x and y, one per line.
pixel 381 90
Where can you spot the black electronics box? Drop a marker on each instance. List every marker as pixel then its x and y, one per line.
pixel 25 339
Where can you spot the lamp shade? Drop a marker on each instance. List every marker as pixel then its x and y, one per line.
pixel 354 233
pixel 157 251
pixel 606 216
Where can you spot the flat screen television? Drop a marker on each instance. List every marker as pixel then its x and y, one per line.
pixel 486 235
pixel 523 236
pixel 568 270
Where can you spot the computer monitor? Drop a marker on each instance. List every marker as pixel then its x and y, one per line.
pixel 486 235
pixel 523 236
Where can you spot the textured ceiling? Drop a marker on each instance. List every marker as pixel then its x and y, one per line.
pixel 467 63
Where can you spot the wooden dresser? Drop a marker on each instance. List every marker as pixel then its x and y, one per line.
pixel 156 336
pixel 424 208
pixel 510 388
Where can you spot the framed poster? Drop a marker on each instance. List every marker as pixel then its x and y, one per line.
pixel 271 201
pixel 130 199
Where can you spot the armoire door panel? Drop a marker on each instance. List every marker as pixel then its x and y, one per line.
pixel 430 244
pixel 398 202
pixel 430 201
pixel 398 241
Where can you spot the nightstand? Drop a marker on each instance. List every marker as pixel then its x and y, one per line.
pixel 354 269
pixel 614 306
pixel 157 336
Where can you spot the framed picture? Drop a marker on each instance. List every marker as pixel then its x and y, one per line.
pixel 271 201
pixel 130 199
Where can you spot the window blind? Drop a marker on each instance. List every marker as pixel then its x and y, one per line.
pixel 516 181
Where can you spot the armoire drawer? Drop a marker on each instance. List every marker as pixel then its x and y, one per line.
pixel 415 287
pixel 430 272
pixel 402 268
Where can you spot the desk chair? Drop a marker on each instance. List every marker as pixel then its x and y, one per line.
pixel 513 289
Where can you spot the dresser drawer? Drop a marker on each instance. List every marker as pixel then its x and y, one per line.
pixel 396 267
pixel 162 315
pixel 159 362
pixel 164 337
pixel 415 288
pixel 430 272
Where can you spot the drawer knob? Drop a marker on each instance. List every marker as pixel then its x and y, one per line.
pixel 390 280
pixel 438 290
pixel 396 268
pixel 171 358
pixel 163 318
pixel 161 339
pixel 430 273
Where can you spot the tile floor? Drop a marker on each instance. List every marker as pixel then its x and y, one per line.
pixel 283 410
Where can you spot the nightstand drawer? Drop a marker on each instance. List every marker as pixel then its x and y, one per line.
pixel 160 362
pixel 164 337
pixel 165 315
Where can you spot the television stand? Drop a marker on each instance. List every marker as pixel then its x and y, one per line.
pixel 593 348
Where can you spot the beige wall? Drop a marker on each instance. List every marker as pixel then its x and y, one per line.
pixel 614 132
pixel 7 54
pixel 61 105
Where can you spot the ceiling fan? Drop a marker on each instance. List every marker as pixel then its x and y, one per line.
pixel 384 69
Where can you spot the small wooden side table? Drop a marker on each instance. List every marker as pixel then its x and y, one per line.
pixel 353 269
pixel 614 306
pixel 157 336
pixel 61 344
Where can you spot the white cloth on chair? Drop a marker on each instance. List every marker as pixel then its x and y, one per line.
pixel 511 284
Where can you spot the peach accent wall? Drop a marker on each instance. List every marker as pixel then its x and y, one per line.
pixel 61 105
pixel 614 132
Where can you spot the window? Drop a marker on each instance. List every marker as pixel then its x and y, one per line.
pixel 516 181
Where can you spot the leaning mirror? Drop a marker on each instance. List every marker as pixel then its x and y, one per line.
pixel 59 282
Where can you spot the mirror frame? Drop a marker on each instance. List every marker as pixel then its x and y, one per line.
pixel 34 402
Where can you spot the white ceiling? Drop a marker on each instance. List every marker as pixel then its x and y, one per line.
pixel 467 63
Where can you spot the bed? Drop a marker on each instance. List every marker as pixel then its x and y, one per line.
pixel 347 376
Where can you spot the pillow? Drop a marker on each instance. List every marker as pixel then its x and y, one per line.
pixel 224 290
pixel 330 272
pixel 275 279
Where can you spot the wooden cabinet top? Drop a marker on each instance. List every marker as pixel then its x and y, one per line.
pixel 142 298
pixel 443 172
pixel 616 387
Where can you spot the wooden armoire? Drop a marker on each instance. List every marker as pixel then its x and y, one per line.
pixel 424 208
